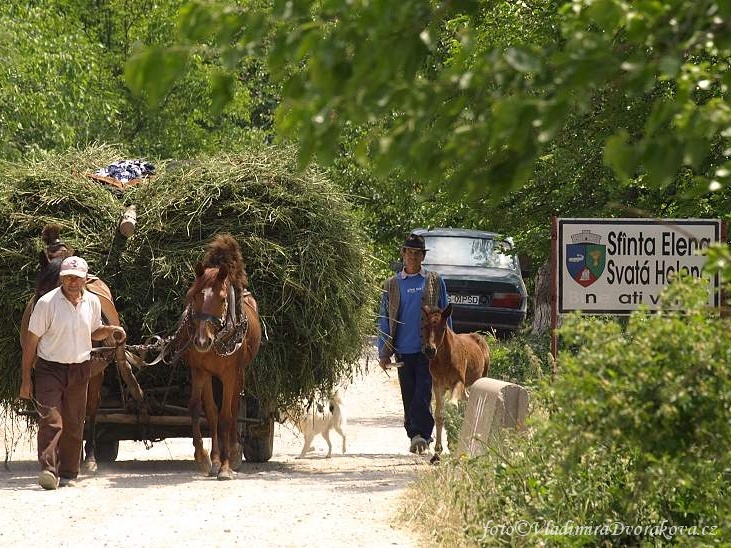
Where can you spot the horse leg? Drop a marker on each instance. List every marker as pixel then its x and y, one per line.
pixel 236 450
pixel 211 409
pixel 225 418
pixel 458 393
pixel 194 406
pixel 93 396
pixel 438 416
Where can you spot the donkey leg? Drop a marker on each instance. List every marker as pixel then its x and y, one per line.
pixel 93 396
pixel 194 406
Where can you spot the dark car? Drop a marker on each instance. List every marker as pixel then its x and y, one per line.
pixel 483 278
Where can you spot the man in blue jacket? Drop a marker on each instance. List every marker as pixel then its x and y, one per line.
pixel 399 325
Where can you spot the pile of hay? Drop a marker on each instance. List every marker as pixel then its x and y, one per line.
pixel 308 261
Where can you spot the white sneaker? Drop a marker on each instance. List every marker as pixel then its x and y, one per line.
pixel 418 445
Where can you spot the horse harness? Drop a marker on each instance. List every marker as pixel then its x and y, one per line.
pixel 230 330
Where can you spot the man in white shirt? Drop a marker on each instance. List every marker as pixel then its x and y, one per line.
pixel 60 332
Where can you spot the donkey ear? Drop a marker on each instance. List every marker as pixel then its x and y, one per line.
pixel 199 269
pixel 447 312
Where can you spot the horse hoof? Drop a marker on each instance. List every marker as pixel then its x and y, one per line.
pixel 204 465
pixel 90 466
pixel 435 459
pixel 225 474
pixel 215 470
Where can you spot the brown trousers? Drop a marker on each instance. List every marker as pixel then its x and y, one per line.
pixel 60 392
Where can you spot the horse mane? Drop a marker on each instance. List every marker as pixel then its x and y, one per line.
pixel 51 233
pixel 47 278
pixel 51 236
pixel 224 250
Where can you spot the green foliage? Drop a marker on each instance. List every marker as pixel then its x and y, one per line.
pixel 463 104
pixel 634 431
pixel 62 82
pixel 53 89
pixel 522 359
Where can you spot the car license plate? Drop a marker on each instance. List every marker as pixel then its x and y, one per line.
pixel 464 299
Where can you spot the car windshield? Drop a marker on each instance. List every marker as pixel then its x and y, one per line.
pixel 466 251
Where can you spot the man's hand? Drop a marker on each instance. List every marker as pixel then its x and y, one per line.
pixel 114 331
pixel 26 389
pixel 118 334
pixel 385 363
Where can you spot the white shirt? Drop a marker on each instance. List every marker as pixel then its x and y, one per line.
pixel 64 329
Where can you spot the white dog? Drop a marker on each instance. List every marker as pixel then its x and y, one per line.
pixel 321 420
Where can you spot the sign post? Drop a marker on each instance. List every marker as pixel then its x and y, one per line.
pixel 612 266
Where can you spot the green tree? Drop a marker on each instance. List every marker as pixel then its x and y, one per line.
pixel 485 114
pixel 53 91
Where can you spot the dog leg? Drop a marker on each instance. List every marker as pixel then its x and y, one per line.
pixel 307 445
pixel 326 435
pixel 339 430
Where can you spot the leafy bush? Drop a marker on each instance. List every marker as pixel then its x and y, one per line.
pixel 633 434
pixel 521 359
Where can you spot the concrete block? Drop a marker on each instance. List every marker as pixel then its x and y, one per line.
pixel 492 404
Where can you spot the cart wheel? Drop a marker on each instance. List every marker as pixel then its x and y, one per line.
pixel 106 449
pixel 257 439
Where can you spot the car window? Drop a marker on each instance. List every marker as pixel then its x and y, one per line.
pixel 465 251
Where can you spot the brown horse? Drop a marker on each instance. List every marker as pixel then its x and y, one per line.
pixel 221 333
pixel 455 361
pixel 50 265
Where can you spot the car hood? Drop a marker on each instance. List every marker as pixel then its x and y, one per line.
pixel 477 274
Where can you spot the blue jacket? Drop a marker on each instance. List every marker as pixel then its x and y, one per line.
pixel 407 338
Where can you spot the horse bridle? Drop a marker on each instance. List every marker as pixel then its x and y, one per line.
pixel 229 333
pixel 218 322
pixel 441 340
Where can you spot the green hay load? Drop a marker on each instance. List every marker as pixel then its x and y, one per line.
pixel 307 259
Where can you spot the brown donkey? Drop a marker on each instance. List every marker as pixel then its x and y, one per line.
pixel 455 361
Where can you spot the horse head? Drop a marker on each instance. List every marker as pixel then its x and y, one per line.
pixel 208 304
pixel 55 247
pixel 433 328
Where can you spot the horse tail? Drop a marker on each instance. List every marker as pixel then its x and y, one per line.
pixel 484 350
pixel 486 353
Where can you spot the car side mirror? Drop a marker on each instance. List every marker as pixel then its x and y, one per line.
pixel 397 266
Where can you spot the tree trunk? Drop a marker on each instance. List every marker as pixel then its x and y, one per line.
pixel 542 300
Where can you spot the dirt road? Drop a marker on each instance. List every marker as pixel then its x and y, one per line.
pixel 155 497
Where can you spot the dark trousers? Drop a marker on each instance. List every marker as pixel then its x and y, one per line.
pixel 415 381
pixel 60 392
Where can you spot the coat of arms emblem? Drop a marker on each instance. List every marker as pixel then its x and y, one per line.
pixel 586 257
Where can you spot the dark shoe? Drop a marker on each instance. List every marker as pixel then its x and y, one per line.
pixel 48 480
pixel 66 482
pixel 418 445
